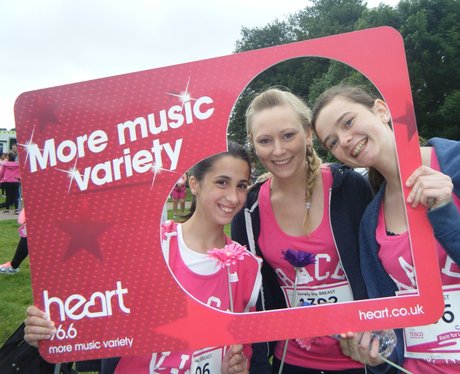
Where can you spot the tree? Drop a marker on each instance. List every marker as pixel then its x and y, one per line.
pixel 325 17
pixel 432 42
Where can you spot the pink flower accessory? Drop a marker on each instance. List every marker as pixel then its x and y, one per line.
pixel 228 255
pixel 225 257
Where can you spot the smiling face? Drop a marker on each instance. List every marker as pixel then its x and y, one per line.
pixel 356 135
pixel 280 140
pixel 222 191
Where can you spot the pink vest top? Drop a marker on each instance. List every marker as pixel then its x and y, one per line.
pixel 318 283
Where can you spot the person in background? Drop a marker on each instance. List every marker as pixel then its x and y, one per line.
pixel 356 128
pixel 14 149
pixel 9 177
pixel 178 195
pixel 3 157
pixel 22 250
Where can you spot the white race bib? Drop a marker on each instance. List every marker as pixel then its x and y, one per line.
pixel 440 340
pixel 207 361
pixel 328 293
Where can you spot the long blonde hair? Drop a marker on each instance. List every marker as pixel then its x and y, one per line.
pixel 276 97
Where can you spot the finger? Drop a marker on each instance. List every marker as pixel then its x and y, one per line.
pixel 236 359
pixel 421 170
pixel 39 321
pixel 238 363
pixel 34 311
pixel 38 333
pixel 233 350
pixel 374 351
pixel 365 342
pixel 430 184
pixel 344 347
pixel 431 193
pixel 359 337
pixel 236 348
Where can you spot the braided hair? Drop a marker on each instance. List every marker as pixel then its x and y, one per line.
pixel 277 97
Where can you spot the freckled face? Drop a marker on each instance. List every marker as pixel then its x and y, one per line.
pixel 280 141
pixel 223 190
pixel 354 134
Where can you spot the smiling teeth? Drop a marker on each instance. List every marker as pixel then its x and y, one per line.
pixel 280 163
pixel 359 147
pixel 226 210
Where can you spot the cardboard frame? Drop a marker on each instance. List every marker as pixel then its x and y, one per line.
pixel 95 248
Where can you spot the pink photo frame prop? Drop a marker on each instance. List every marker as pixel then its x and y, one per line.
pixel 94 192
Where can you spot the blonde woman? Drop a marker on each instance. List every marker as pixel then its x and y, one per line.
pixel 301 204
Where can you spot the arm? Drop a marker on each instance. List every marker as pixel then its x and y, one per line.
pixel 433 190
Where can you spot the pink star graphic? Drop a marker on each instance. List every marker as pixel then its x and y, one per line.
pixel 45 113
pixel 84 233
pixel 195 312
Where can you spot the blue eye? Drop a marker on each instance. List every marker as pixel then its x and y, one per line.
pixel 263 141
pixel 289 135
pixel 349 122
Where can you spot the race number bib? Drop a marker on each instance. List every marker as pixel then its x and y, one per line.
pixel 207 360
pixel 440 340
pixel 329 293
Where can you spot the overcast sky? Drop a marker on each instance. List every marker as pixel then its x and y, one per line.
pixel 45 43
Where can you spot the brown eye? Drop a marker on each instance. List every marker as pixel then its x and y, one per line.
pixel 332 144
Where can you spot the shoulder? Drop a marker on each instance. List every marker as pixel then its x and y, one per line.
pixel 445 148
pixel 448 154
pixel 346 177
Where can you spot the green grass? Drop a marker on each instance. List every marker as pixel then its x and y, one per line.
pixel 15 290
